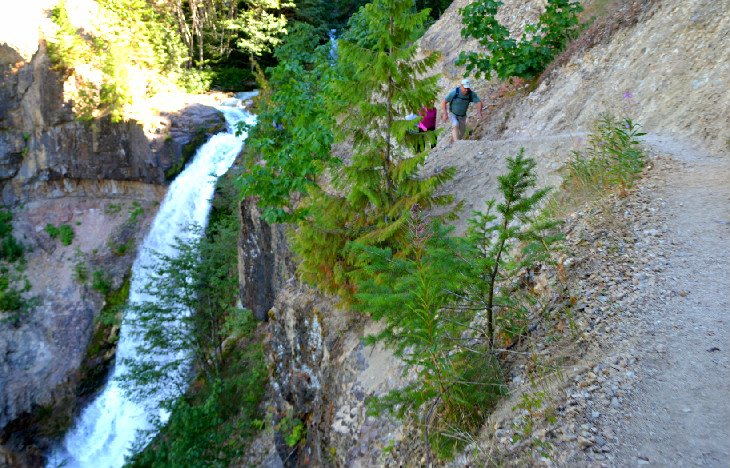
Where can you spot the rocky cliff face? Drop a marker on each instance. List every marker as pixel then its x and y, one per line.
pixel 321 376
pixel 46 153
pixel 321 372
pixel 103 179
pixel 265 264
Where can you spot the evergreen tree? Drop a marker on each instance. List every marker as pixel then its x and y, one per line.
pixel 416 295
pixel 432 295
pixel 494 238
pixel 378 82
pixel 188 315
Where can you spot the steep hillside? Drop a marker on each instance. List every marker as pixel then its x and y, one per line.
pixel 621 397
pixel 665 64
pixel 670 68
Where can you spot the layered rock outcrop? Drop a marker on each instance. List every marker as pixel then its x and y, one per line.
pixel 265 264
pixel 46 153
pixel 104 180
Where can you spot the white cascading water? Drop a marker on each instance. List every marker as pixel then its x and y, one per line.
pixel 105 431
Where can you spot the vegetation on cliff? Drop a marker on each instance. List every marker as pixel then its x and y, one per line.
pixel 211 423
pixel 14 285
pixel 525 57
pixel 360 225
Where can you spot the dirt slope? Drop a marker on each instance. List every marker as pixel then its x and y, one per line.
pixel 652 377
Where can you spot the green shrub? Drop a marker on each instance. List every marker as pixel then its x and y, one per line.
pixel 81 272
pixel 232 79
pixel 196 81
pixel 613 157
pixel 52 231
pixel 64 233
pixel 100 282
pixel 112 209
pixel 136 211
pixel 507 57
pixel 13 305
pixel 11 249
pixel 6 223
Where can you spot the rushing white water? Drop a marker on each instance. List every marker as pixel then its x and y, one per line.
pixel 107 428
pixel 333 46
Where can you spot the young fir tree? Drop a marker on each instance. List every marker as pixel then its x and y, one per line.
pixel 378 82
pixel 431 294
pixel 415 296
pixel 493 261
pixel 186 313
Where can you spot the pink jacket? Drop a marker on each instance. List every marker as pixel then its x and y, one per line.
pixel 429 119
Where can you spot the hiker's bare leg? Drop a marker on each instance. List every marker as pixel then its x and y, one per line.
pixel 455 127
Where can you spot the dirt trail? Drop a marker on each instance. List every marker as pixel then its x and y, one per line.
pixel 679 414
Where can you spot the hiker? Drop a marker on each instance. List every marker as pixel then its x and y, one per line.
pixel 428 121
pixel 458 101
pixel 427 124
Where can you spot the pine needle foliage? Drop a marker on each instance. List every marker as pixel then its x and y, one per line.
pixel 190 313
pixel 433 295
pixel 457 380
pixel 378 81
pixel 506 239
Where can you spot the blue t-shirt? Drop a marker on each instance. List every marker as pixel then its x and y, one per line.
pixel 459 102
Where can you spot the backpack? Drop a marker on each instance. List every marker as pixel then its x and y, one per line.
pixel 457 95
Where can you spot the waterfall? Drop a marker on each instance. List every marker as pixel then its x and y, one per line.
pixel 106 429
pixel 332 34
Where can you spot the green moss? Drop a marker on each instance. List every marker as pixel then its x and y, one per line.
pixel 100 282
pixel 103 340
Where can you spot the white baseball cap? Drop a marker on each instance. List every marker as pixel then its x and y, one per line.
pixel 466 83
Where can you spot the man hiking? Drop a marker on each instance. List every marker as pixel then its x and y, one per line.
pixel 458 101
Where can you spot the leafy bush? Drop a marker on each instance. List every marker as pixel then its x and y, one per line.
pixel 612 161
pixel 196 81
pixel 293 136
pixel 135 211
pixel 81 272
pixel 100 282
pixel 64 233
pixel 6 220
pixel 13 303
pixel 11 250
pixel 524 58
